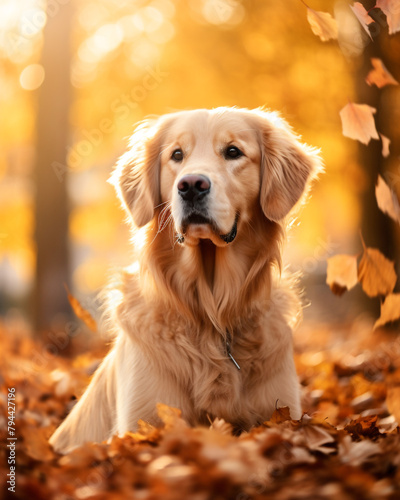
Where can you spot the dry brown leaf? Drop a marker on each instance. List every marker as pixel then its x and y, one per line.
pixel 393 401
pixel 322 24
pixel 280 415
pixel 391 9
pixel 387 200
pixel 358 122
pixel 81 312
pixel 341 273
pixel 390 310
pixel 170 416
pixel 362 15
pixel 379 75
pixel 376 273
pixel 36 443
pixel 385 145
pixel 316 438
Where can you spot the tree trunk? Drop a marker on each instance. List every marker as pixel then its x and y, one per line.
pixel 52 267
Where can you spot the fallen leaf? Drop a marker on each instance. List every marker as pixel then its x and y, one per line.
pixel 358 122
pixel 341 273
pixel 363 427
pixel 362 15
pixel 379 75
pixel 280 415
pixel 387 200
pixel 390 310
pixel 356 453
pixel 81 312
pixel 376 273
pixel 316 438
pixel 322 24
pixel 391 9
pixel 36 443
pixel 385 145
pixel 393 400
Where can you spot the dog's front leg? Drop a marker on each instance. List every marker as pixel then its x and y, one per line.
pixel 93 417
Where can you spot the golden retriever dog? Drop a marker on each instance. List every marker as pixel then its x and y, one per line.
pixel 203 321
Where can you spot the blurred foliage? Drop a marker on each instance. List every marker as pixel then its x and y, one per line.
pixel 139 57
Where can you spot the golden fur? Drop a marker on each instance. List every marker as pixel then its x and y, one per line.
pixel 196 284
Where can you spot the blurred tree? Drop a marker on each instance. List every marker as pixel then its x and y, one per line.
pixel 52 267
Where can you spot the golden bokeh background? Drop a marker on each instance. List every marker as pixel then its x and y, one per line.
pixel 130 59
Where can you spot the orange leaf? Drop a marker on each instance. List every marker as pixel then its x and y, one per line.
pixel 391 9
pixel 81 312
pixel 341 273
pixel 387 200
pixel 376 273
pixel 280 415
pixel 322 24
pixel 379 75
pixel 36 443
pixel 358 122
pixel 390 310
pixel 385 145
pixel 362 15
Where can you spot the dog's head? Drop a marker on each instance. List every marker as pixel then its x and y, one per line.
pixel 211 168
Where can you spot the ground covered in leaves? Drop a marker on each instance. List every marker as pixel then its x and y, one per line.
pixel 347 445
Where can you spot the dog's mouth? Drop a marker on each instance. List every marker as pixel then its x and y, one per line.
pixel 196 218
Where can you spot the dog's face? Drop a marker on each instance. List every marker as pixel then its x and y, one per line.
pixel 210 173
pixel 211 168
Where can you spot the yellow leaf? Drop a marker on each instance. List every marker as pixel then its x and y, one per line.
pixel 358 122
pixel 390 310
pixel 387 200
pixel 322 24
pixel 81 312
pixel 341 273
pixel 376 273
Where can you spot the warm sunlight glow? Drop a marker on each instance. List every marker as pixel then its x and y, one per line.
pixel 32 77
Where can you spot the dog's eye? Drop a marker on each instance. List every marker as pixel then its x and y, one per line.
pixel 177 155
pixel 232 152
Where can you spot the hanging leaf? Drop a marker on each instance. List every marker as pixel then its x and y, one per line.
pixel 376 273
pixel 390 310
pixel 385 145
pixel 341 273
pixel 391 9
pixel 358 122
pixel 81 312
pixel 379 75
pixel 362 15
pixel 387 200
pixel 322 24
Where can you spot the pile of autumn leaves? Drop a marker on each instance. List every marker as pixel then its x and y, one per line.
pixel 346 446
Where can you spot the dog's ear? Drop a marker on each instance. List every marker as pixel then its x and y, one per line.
pixel 287 166
pixel 136 177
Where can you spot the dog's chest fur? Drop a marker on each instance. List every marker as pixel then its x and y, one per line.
pixel 192 359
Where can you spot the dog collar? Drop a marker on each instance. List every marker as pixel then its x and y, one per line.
pixel 229 351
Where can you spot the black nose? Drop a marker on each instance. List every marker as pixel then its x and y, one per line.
pixel 193 187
